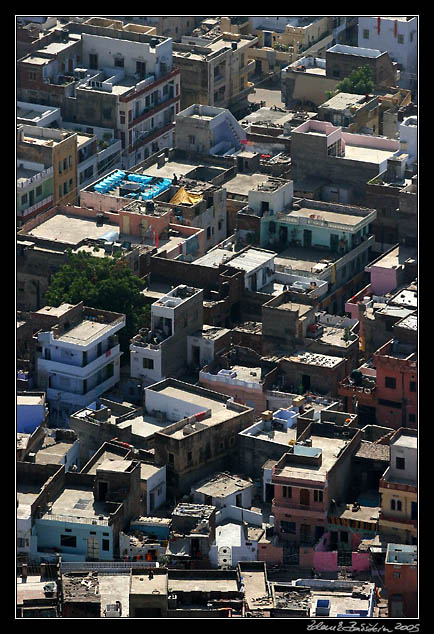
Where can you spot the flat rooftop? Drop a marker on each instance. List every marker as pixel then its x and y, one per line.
pixel 145 425
pixel 85 332
pixel 366 154
pixel 53 454
pixel 70 229
pixel 251 259
pixel 278 437
pixel 78 502
pixel 200 583
pixel 143 585
pixel 395 257
pixel 315 358
pixel 330 449
pixel 307 259
pixel 406 441
pixel 328 216
pixel 222 485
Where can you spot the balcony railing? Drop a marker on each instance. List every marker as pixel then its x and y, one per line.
pixel 74 519
pixel 37 206
pixel 309 508
pixel 36 178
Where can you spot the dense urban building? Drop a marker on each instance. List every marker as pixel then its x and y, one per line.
pixel 217 378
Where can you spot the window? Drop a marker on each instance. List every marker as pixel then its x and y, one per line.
pixel 398 505
pixel 107 113
pixel 392 505
pixel 412 386
pixel 366 34
pixel 65 187
pixel 141 69
pixel 24 199
pixel 288 527
pixel 65 163
pixel 68 541
pixel 39 192
pixel 105 544
pixel 189 457
pixel 60 167
pixel 32 75
pixel 119 62
pixel 93 61
pixel 400 463
pixel 208 233
pixel 412 418
pixel 390 382
pixel 70 160
pixel 171 459
pixel 191 139
pixel 122 117
pixel 400 38
pixel 148 364
pixel 287 492
pixel 317 496
pixel 397 575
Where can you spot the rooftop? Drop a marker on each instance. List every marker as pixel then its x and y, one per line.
pixel 314 358
pixel 330 448
pixel 344 100
pixel 222 485
pixel 78 504
pixel 70 229
pixel 354 50
pixel 394 258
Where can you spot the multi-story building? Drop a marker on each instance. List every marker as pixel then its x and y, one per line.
pixel 398 488
pixel 401 580
pixel 310 78
pixel 202 436
pixel 355 113
pixel 132 78
pixel 206 129
pixel 396 380
pixel 215 72
pixel 34 189
pixel 338 163
pixel 161 351
pixel 56 152
pixel 78 356
pixel 398 35
pixel 308 477
pixel 341 60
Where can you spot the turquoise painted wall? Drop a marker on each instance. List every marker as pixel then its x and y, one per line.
pixel 48 534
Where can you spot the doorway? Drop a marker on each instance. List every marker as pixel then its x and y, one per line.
pixel 307 238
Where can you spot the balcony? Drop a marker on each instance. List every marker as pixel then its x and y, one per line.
pixel 149 87
pixel 36 208
pixel 307 510
pixel 81 371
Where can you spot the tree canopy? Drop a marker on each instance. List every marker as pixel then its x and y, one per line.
pixel 104 283
pixel 359 82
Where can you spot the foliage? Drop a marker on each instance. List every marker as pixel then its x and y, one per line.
pixel 359 82
pixel 104 283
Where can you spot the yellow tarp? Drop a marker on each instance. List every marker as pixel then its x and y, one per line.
pixel 183 196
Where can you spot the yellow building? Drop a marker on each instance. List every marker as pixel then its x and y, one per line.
pixel 398 489
pixel 54 148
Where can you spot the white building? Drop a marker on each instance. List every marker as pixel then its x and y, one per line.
pixel 224 489
pixel 78 356
pixel 147 88
pixel 234 542
pixel 153 482
pixel 397 35
pixel 408 138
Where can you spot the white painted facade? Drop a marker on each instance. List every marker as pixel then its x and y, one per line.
pixel 231 547
pixel 397 36
pixel 72 383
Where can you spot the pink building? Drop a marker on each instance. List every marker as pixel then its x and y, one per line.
pixel 314 471
pixel 396 366
pixel 387 270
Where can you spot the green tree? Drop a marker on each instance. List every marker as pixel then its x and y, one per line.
pixel 359 82
pixel 104 283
